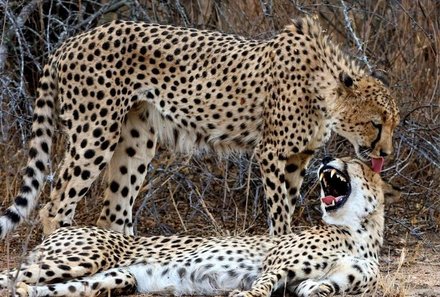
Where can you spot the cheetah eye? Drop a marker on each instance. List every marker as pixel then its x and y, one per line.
pixel 376 124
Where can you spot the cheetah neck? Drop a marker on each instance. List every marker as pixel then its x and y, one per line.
pixel 369 233
pixel 364 234
pixel 316 59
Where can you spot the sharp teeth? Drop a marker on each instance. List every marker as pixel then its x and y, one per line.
pixel 321 175
pixel 332 173
pixel 340 177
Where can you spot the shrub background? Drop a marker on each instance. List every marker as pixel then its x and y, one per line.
pixel 202 194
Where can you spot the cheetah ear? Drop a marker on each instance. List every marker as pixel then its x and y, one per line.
pixel 391 193
pixel 380 75
pixel 345 79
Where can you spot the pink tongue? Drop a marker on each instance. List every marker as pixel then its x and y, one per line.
pixel 328 199
pixel 377 164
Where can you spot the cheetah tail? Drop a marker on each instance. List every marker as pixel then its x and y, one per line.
pixel 39 153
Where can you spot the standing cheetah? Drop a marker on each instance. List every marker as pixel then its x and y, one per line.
pixel 338 257
pixel 122 88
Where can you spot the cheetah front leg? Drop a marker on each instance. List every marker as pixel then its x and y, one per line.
pixel 295 170
pixel 278 204
pixel 350 275
pixel 117 278
pixel 263 286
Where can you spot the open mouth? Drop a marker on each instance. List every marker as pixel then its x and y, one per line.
pixel 336 187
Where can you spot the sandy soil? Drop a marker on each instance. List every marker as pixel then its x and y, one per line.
pixel 415 272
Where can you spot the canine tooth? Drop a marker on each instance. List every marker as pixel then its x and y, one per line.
pixel 321 175
pixel 332 172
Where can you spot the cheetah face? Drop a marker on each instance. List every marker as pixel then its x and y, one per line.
pixel 367 116
pixel 350 191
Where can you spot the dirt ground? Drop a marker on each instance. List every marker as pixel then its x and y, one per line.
pixel 413 270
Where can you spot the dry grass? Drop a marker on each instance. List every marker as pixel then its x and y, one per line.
pixel 204 195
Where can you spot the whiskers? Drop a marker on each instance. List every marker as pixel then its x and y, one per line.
pixel 364 153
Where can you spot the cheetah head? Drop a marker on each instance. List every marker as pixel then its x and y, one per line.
pixel 351 191
pixel 366 115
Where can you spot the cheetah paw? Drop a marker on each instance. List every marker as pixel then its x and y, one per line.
pixel 23 290
pixel 311 288
pixel 238 293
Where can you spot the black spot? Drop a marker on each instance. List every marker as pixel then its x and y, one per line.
pixel 30 171
pixel 35 184
pixel 89 154
pixel 86 265
pixel 64 267
pixel 40 165
pixel 351 278
pixel 134 133
pixel 114 186
pixel 130 151
pixel 45 147
pixel 98 160
pixel 346 79
pixel 85 175
pixel 270 184
pixel 291 168
pixel 141 168
pixel 97 132
pixel 150 144
pixel 21 201
pixel 33 153
pixel 113 127
pixel 25 189
pixel 123 170
pixel 83 191
pixel 124 192
pixel 72 193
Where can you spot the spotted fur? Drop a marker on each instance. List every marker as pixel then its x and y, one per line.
pixel 122 88
pixel 340 256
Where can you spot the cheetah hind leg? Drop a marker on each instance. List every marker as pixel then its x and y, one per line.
pixel 79 169
pixel 112 279
pixel 126 172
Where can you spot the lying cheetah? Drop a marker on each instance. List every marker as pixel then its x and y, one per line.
pixel 340 256
pixel 125 87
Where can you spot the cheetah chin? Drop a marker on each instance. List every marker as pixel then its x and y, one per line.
pixel 340 257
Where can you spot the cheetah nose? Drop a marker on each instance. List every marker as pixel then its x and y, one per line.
pixel 384 153
pixel 327 159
